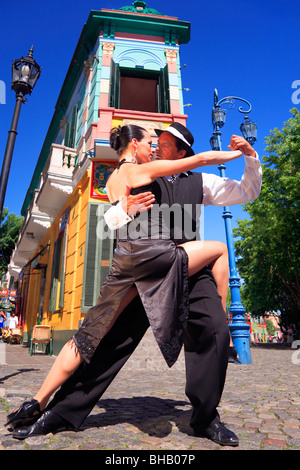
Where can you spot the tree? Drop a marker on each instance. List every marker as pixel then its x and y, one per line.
pixel 9 231
pixel 268 245
pixel 271 330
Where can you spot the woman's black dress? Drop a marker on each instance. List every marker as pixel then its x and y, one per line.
pixel 147 258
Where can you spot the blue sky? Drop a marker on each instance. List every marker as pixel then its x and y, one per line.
pixel 246 49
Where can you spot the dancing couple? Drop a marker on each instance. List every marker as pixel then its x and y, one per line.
pixel 178 287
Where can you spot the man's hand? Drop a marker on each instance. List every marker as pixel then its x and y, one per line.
pixel 239 143
pixel 132 205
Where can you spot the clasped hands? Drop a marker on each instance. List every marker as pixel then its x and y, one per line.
pixel 239 143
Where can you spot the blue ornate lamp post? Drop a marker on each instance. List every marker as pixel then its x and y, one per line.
pixel 239 329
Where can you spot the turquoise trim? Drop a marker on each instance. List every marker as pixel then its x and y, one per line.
pixel 126 43
pixel 102 142
pixel 95 90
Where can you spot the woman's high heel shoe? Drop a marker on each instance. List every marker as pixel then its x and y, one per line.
pixel 233 355
pixel 29 410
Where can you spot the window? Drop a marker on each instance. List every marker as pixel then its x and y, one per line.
pixel 58 273
pixel 138 94
pixel 139 90
pixel 70 130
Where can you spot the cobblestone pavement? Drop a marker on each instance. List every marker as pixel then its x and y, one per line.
pixel 148 409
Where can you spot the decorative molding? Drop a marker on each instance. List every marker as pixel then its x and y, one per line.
pixel 139 6
pixel 139 56
pixel 62 188
pixel 108 48
pixel 43 223
pixel 171 55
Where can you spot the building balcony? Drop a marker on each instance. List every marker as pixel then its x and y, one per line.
pixel 34 227
pixel 56 183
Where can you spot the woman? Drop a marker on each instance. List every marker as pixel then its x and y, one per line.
pixel 155 268
pixel 2 320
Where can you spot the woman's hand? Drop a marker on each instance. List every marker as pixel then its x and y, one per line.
pixel 133 204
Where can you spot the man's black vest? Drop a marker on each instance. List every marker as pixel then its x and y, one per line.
pixel 186 192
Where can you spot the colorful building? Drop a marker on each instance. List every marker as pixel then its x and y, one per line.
pixel 259 331
pixel 125 69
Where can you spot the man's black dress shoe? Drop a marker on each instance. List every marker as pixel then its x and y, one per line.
pixel 218 433
pixel 49 422
pixel 29 410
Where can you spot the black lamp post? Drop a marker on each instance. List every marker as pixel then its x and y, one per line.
pixel 25 73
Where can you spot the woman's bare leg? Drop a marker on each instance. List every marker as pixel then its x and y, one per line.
pixel 214 254
pixel 66 363
pixel 69 359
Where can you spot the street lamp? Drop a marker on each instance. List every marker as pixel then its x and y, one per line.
pixel 25 73
pixel 238 327
pixel 249 130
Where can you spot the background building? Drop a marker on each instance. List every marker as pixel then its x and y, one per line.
pixel 125 69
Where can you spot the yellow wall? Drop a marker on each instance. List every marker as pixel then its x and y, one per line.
pixel 68 316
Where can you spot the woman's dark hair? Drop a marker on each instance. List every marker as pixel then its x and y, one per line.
pixel 121 136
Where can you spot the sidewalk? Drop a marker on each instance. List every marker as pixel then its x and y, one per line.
pixel 148 409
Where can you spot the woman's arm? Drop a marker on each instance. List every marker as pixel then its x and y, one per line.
pixel 145 173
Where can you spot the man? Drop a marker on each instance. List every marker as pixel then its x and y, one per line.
pixel 206 338
pixel 13 321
